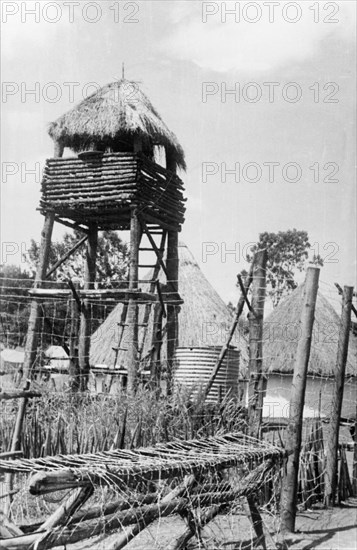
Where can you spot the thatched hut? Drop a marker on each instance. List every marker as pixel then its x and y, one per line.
pixel 282 331
pixel 204 319
pixel 116 118
pixel 11 365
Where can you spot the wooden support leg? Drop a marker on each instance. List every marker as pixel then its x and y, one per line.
pixel 156 343
pixel 32 331
pixel 31 341
pixel 63 514
pixel 142 524
pixel 132 343
pixel 85 323
pixel 172 266
pixel 256 520
pixel 74 372
pixel 205 517
pixel 132 317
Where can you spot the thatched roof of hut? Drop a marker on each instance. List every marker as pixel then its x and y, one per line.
pixel 282 331
pixel 116 113
pixel 204 318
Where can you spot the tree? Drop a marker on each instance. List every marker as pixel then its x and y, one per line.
pixel 288 253
pixel 14 285
pixel 112 258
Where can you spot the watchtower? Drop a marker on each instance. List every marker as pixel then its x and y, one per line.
pixel 111 181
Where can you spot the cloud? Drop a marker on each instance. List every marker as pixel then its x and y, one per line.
pixel 252 47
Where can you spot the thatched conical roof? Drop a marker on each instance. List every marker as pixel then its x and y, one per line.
pixel 116 113
pixel 204 319
pixel 282 331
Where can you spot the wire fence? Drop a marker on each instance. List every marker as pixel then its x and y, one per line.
pixel 61 422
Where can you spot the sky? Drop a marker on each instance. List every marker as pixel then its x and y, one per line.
pixel 260 95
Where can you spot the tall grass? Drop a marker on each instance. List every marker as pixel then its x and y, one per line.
pixel 63 423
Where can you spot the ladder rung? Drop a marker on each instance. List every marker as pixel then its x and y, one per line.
pixel 147 265
pixel 127 324
pixel 155 232
pixel 146 249
pixel 120 349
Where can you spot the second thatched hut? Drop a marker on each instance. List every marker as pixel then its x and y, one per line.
pixel 204 322
pixel 282 331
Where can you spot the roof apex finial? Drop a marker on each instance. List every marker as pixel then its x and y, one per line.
pixel 123 71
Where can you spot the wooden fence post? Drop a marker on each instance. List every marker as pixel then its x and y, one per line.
pixel 354 467
pixel 294 428
pixel 257 381
pixel 334 428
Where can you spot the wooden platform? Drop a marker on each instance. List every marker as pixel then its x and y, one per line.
pixel 116 295
pixel 102 188
pixel 188 469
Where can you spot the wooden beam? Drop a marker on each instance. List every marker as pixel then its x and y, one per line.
pixel 340 291
pixel 8 528
pixel 85 320
pixel 156 250
pixel 145 520
pixel 15 394
pixel 337 397
pixel 75 225
pixel 62 536
pixel 132 356
pixel 354 466
pixel 224 349
pixel 63 514
pixel 66 256
pixel 76 308
pixel 156 345
pixel 96 294
pixel 15 446
pixel 297 400
pixel 32 331
pixel 15 454
pixel 49 481
pixel 148 307
pixel 172 274
pixel 253 513
pixel 248 486
pixel 244 291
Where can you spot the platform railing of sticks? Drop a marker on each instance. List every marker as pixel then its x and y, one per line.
pixel 137 486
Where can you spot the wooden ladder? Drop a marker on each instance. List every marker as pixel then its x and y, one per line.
pixel 150 231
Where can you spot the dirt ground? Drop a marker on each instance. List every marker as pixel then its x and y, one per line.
pixel 332 529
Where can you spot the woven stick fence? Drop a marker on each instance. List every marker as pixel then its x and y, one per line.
pixel 107 183
pixel 197 479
